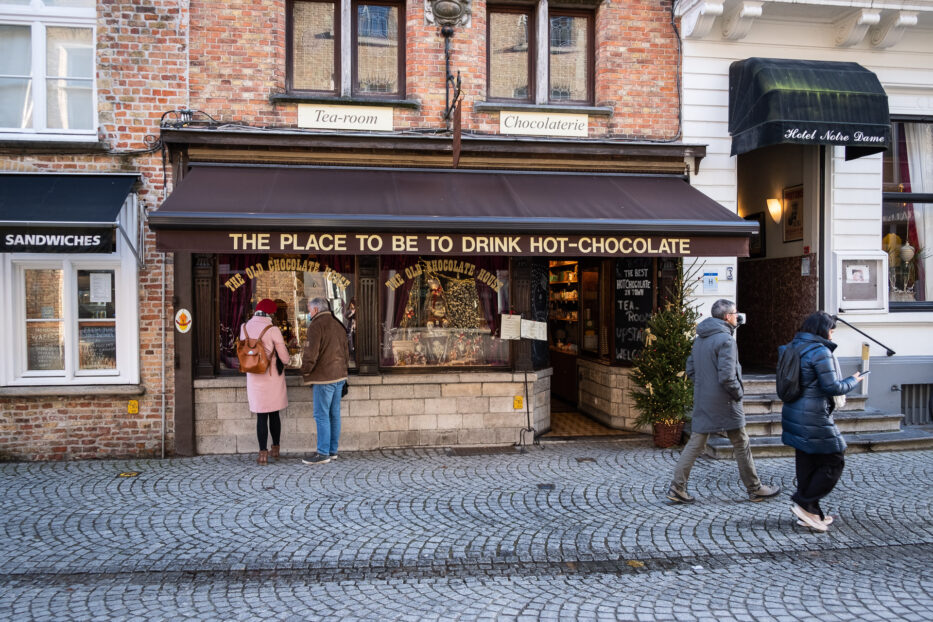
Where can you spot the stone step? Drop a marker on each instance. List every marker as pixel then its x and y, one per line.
pixel 758 383
pixel 763 403
pixel 770 446
pixel 858 421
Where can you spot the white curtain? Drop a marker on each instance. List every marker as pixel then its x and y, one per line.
pixel 920 161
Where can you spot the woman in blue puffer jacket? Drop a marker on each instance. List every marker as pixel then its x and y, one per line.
pixel 808 424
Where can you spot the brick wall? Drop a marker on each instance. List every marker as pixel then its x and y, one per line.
pixel 238 62
pixel 141 68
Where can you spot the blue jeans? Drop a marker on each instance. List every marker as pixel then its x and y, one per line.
pixel 327 416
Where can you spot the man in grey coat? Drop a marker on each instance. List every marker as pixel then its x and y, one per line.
pixel 713 365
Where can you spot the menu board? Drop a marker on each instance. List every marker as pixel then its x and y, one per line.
pixel 633 305
pixel 44 347
pixel 97 346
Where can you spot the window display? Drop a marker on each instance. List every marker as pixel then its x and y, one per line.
pixel 45 335
pixel 564 304
pixel 289 280
pixel 907 222
pixel 97 328
pixel 443 311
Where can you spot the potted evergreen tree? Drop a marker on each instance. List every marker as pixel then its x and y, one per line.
pixel 663 394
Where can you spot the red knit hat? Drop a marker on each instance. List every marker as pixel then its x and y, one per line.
pixel 267 305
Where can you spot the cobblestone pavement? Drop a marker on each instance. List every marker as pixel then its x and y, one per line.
pixel 574 531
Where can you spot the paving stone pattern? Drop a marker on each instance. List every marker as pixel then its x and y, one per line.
pixel 424 535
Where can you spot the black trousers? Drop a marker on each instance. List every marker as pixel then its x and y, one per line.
pixel 817 475
pixel 266 422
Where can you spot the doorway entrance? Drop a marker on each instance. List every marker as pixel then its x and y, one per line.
pixel 778 285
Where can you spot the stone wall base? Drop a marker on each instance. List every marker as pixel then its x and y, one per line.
pixel 402 410
pixel 604 394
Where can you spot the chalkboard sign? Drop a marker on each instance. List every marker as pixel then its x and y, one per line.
pixel 44 349
pixel 633 306
pixel 97 346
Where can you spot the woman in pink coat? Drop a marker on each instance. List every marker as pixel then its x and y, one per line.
pixel 266 392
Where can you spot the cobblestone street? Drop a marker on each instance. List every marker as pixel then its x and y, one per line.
pixel 574 531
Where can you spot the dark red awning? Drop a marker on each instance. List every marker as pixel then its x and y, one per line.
pixel 214 201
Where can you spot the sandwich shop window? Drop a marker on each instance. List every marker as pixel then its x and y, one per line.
pixel 289 280
pixel 443 311
pixel 69 319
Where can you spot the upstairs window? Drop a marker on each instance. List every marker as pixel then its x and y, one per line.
pixel 47 66
pixel 364 59
pixel 514 54
pixel 510 57
pixel 569 57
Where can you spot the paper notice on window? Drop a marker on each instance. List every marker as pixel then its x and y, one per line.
pixel 534 330
pixel 511 326
pixel 101 289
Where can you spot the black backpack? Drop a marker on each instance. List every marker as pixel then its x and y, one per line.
pixel 787 376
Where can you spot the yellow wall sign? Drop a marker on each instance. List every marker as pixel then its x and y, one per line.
pixel 517 402
pixel 133 407
pixel 183 320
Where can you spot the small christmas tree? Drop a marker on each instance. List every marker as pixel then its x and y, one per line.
pixel 663 393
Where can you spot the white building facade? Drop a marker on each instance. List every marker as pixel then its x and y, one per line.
pixel 852 237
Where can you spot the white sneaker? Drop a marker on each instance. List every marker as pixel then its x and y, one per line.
pixel 810 520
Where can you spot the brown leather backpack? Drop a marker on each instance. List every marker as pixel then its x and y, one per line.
pixel 252 354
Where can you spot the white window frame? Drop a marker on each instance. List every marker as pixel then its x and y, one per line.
pixel 38 18
pixel 13 370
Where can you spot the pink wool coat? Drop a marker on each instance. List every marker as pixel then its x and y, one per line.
pixel 266 392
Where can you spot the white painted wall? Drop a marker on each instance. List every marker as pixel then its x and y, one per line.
pixel 853 194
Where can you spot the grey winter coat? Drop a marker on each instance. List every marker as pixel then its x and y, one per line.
pixel 807 422
pixel 713 365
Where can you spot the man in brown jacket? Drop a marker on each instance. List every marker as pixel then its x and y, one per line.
pixel 324 365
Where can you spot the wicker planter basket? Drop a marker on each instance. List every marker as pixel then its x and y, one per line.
pixel 668 434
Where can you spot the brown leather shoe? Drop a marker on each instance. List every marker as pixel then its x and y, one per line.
pixel 274 452
pixel 263 458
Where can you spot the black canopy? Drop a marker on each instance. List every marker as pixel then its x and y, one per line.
pixel 48 213
pixel 775 100
pixel 42 198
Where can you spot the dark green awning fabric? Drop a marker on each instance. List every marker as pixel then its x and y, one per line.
pixel 41 198
pixel 775 100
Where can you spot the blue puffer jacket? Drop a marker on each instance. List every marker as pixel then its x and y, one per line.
pixel 808 421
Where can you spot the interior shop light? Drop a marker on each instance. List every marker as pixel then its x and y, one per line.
pixel 775 209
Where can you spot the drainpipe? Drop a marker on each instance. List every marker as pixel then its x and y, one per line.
pixel 164 337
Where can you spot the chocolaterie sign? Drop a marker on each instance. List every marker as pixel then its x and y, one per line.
pixel 456 244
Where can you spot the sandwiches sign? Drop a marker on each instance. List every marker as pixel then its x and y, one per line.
pixel 56 240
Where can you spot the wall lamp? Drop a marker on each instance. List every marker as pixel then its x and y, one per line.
pixel 775 209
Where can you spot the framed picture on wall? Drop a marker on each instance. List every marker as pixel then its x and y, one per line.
pixel 756 243
pixel 793 213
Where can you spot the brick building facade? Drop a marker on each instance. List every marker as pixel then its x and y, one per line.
pixel 223 78
pixel 138 73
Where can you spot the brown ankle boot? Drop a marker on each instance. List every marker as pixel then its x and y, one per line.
pixel 274 452
pixel 263 458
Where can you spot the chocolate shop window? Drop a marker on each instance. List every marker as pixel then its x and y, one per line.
pixel 443 311
pixel 289 280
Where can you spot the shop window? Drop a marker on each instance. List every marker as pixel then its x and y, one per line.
pixel 443 311
pixel 47 67
pixel 907 215
pixel 289 280
pixel 513 55
pixel 71 324
pixel 317 49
